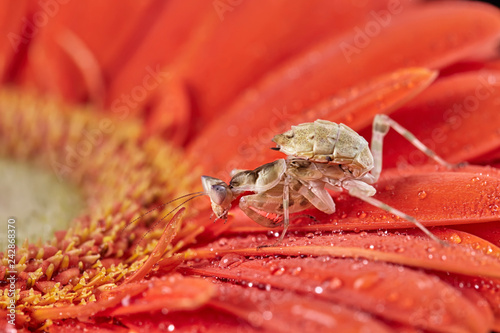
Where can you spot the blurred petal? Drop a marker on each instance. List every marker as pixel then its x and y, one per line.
pixel 325 69
pixel 457 117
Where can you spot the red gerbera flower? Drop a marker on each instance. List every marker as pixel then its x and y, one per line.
pixel 178 90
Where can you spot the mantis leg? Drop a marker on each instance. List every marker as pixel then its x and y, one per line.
pixel 272 204
pixel 319 197
pixel 381 125
pixel 359 192
pixel 247 203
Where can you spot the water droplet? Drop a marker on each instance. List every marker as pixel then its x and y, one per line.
pixel 230 259
pixel 422 195
pixel 309 235
pixel 455 238
pixel 295 271
pixel 392 297
pixel 361 214
pixel 335 283
pixel 171 328
pixel 494 208
pixel 318 290
pixel 267 315
pixel 255 319
pixel 126 300
pixel 366 281
pixel 390 187
pixel 166 290
pixel 278 271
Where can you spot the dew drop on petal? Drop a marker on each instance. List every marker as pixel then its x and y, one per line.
pixel 230 259
pixel 267 315
pixel 455 238
pixel 335 283
pixel 494 208
pixel 126 300
pixel 255 319
pixel 318 290
pixel 277 271
pixel 361 214
pixel 366 281
pixel 422 195
pixel 295 271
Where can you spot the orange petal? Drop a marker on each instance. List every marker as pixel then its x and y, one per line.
pixel 159 250
pixel 172 293
pixel 487 231
pixel 405 249
pixel 207 319
pixel 17 37
pixel 457 116
pixel 279 311
pixel 321 72
pixel 355 107
pixel 243 42
pixel 377 288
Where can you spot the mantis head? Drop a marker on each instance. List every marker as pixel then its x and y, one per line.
pixel 220 195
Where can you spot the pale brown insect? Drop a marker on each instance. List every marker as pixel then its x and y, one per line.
pixel 322 155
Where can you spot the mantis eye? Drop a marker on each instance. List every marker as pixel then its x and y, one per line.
pixel 218 194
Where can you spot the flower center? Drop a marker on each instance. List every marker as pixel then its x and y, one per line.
pixel 37 200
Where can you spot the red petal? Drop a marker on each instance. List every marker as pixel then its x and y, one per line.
pixel 244 42
pixel 406 250
pixel 457 117
pixel 298 84
pixel 164 241
pixel 377 288
pixel 171 293
pixel 288 312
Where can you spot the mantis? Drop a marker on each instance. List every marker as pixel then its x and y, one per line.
pixel 321 156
